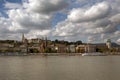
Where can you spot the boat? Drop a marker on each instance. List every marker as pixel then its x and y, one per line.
pixel 94 54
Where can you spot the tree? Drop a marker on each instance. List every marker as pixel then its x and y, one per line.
pixel 48 50
pixel 56 41
pixel 34 50
pixel 78 42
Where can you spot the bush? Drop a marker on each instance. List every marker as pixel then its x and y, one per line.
pixel 34 51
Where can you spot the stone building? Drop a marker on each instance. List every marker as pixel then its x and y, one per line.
pixel 72 48
pixel 88 48
pixel 61 48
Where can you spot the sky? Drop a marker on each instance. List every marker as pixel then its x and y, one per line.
pixel 92 21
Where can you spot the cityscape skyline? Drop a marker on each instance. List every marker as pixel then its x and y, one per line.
pixel 44 45
pixel 70 20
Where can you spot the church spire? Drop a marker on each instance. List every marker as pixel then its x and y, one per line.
pixel 23 38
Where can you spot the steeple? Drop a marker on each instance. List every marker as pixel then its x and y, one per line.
pixel 23 38
pixel 46 41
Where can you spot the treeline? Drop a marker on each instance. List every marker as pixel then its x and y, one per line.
pixel 67 42
pixel 7 41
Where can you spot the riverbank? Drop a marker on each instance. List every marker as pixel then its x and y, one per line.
pixel 40 54
pixel 50 54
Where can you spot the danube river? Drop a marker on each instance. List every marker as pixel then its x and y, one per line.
pixel 60 68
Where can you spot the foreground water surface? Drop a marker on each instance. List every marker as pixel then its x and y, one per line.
pixel 60 68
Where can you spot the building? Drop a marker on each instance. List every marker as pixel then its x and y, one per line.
pixel 80 49
pixel 23 38
pixel 60 48
pixel 88 48
pixel 72 49
pixel 35 40
pixel 108 43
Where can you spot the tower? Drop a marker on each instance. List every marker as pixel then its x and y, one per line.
pixel 23 38
pixel 25 43
pixel 45 41
pixel 108 43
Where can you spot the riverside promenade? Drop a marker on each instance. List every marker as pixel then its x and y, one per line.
pixel 40 54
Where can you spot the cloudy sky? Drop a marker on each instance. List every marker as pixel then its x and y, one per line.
pixel 72 20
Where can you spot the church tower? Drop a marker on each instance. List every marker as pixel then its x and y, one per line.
pixel 108 43
pixel 46 42
pixel 23 38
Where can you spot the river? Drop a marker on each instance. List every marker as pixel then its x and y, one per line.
pixel 60 68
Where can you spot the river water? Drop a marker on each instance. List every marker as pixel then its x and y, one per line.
pixel 60 68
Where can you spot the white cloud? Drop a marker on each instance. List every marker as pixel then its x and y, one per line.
pixel 5 33
pixel 118 41
pixel 46 6
pixel 23 19
pixel 91 39
pixel 97 11
pixel 12 5
pixel 29 17
pixel 93 23
pixel 38 33
pixel 115 18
